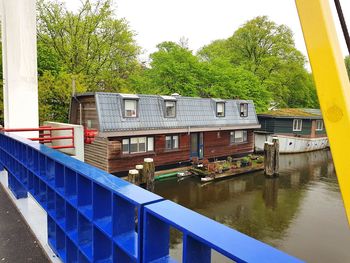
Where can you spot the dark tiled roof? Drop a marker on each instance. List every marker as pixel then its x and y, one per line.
pixel 190 112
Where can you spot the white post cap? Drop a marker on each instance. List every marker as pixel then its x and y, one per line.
pixel 139 167
pixel 133 172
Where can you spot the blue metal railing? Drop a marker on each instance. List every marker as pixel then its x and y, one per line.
pixel 91 214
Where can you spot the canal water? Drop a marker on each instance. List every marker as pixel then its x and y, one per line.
pixel 301 212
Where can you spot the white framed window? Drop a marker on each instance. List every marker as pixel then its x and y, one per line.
pixel 170 109
pixel 220 109
pixel 125 144
pixel 137 145
pixel 319 125
pixel 150 144
pixel 130 108
pixel 89 124
pixel 238 137
pixel 243 110
pixel 297 125
pixel 172 142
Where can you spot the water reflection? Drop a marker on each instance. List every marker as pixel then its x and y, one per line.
pixel 290 212
pixel 270 193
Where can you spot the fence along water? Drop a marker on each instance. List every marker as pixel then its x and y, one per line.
pixel 91 214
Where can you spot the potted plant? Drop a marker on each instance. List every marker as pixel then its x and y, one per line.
pixel 195 161
pixel 219 168
pixel 229 159
pixel 260 159
pixel 225 166
pixel 205 163
pixel 245 161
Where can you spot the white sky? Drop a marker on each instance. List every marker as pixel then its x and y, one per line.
pixel 202 21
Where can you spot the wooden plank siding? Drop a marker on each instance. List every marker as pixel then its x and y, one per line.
pixel 89 111
pixel 109 156
pixel 96 153
pixel 117 161
pixel 217 144
pixel 285 127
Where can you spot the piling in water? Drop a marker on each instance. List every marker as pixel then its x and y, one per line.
pixel 133 176
pixel 142 179
pixel 271 158
pixel 148 173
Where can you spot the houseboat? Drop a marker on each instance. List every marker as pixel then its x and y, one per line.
pixel 170 129
pixel 298 130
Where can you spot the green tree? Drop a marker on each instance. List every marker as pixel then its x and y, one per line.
pixel 55 92
pixel 268 51
pixel 92 42
pixel 48 60
pixel 174 68
pixel 221 80
pixel 347 64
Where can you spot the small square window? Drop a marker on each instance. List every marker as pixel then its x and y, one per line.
pixel 171 142
pixel 134 147
pixel 130 108
pixel 297 125
pixel 168 142
pixel 220 109
pixel 142 144
pixel 319 125
pixel 170 109
pixel 243 110
pixel 238 136
pixel 138 145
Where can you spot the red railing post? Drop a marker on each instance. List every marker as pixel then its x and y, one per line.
pixel 47 137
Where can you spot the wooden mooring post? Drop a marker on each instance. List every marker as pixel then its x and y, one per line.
pixel 271 157
pixel 148 173
pixel 139 168
pixel 133 177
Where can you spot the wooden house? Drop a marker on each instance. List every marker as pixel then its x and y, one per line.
pixel 169 129
pixel 298 130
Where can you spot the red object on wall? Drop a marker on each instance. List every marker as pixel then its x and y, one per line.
pixel 89 135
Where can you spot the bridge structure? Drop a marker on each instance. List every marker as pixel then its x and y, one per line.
pixel 92 216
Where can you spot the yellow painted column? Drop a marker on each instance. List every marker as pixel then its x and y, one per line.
pixel 333 87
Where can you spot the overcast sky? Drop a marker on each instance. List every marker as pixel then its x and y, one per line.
pixel 202 21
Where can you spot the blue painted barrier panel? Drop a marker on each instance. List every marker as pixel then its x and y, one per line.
pixel 91 214
pixel 200 235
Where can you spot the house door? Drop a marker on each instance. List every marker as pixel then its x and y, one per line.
pixel 197 146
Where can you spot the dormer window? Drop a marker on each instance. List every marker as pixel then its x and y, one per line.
pixel 220 109
pixel 130 108
pixel 170 109
pixel 243 110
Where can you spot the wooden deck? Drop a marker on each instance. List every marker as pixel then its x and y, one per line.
pixel 230 173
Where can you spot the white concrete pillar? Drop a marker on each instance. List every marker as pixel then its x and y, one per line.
pixel 19 54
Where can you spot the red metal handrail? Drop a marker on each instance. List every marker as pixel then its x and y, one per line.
pixel 47 137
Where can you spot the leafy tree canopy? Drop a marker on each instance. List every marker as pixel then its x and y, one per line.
pixel 174 68
pixel 268 51
pixel 91 41
pixel 347 64
pixel 97 49
pixel 55 92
